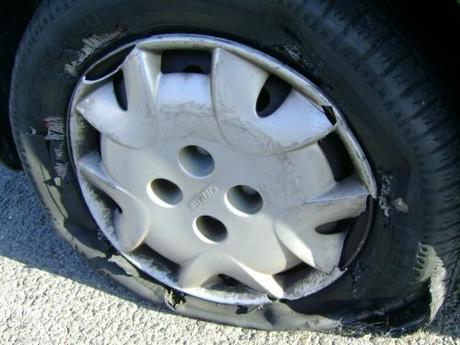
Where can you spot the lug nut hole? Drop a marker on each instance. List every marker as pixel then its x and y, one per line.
pixel 166 192
pixel 245 199
pixel 196 161
pixel 211 228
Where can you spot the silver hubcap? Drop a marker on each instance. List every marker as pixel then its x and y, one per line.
pixel 198 189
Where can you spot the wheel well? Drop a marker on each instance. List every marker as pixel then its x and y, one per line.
pixel 14 16
pixel 431 28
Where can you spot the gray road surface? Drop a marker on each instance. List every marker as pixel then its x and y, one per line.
pixel 49 295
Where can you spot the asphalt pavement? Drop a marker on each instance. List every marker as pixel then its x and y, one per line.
pixel 50 295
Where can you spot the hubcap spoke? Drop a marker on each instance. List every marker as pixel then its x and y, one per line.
pixel 141 70
pixel 184 103
pixel 130 224
pixel 296 227
pixel 297 176
pixel 137 126
pixel 236 86
pixel 101 110
pixel 296 123
pixel 201 271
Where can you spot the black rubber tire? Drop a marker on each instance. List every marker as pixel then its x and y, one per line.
pixel 397 112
